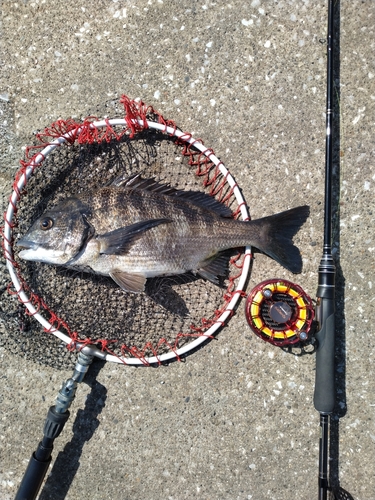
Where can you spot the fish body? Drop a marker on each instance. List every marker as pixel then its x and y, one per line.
pixel 137 228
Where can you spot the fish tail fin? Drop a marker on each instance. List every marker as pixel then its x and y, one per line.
pixel 276 233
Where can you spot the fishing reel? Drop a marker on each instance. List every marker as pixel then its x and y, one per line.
pixel 280 312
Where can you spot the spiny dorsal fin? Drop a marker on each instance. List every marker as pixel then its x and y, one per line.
pixel 197 198
pixel 136 181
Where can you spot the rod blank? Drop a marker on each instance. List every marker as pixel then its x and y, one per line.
pixel 325 393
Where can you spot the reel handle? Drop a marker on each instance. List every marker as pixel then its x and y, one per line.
pixel 325 393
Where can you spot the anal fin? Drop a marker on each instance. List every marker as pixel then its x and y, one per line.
pixel 213 268
pixel 130 282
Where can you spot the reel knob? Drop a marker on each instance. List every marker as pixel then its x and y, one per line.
pixel 279 312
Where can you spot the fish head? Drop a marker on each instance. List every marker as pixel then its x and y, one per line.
pixel 58 235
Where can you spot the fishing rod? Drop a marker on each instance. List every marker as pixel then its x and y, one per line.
pixel 325 393
pixel 281 313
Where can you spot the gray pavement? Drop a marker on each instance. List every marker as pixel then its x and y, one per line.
pixel 236 419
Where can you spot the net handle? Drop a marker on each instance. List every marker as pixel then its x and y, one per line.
pixel 8 238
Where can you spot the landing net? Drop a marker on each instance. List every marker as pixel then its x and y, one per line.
pixel 176 314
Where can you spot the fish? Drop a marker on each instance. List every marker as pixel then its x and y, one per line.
pixel 137 228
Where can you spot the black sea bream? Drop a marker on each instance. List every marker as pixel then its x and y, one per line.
pixel 137 228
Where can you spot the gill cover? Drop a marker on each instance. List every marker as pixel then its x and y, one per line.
pixel 59 235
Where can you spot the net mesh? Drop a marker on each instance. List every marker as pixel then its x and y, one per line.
pixel 92 309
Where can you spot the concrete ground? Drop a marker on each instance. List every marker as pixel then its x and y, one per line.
pixel 236 419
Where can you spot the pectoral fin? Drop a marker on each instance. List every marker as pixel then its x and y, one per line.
pixel 119 241
pixel 134 283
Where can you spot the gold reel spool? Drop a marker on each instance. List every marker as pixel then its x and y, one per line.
pixel 279 312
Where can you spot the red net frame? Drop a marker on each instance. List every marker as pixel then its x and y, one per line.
pixel 214 177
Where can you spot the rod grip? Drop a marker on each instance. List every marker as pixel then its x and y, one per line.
pixel 33 478
pixel 325 394
pixel 41 458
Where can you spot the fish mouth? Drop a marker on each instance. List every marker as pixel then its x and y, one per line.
pixel 29 250
pixel 26 244
pixel 33 251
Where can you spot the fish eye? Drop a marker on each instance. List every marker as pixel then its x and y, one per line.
pixel 46 223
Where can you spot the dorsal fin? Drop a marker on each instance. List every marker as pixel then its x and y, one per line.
pixel 200 199
pixel 197 198
pixel 136 181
